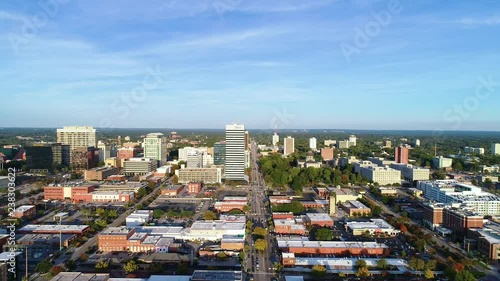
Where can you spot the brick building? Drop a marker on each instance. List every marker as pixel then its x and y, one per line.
pixel 194 187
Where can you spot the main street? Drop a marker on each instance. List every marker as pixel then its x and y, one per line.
pixel 260 264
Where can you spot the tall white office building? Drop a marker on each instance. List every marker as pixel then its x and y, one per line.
pixel 353 140
pixel 155 147
pixel 195 159
pixel 235 152
pixel 313 143
pixel 276 139
pixel 495 149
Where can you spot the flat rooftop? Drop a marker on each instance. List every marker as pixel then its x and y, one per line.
pixel 355 205
pixel 78 276
pixel 115 231
pixel 372 224
pixel 218 225
pixel 318 217
pixel 51 228
pixel 328 244
pixel 345 263
pixel 206 275
pixel 24 208
pixel 344 191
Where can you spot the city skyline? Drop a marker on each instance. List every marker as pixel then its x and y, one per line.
pixel 289 65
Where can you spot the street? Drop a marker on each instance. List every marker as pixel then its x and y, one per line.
pixel 260 264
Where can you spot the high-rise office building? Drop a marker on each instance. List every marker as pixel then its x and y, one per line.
pixel 155 147
pixel 289 146
pixel 235 152
pixel 313 143
pixel 276 139
pixel 220 153
pixel 402 154
pixel 417 143
pixel 104 151
pixel 77 136
pixel 247 140
pixel 495 149
pixel 80 138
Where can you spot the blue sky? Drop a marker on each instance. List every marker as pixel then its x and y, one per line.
pixel 261 64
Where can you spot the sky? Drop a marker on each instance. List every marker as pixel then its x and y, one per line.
pixel 339 64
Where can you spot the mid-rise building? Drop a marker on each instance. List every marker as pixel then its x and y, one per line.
pixel 381 175
pixel 139 218
pixel 327 153
pixel 235 152
pixel 126 153
pixel 416 143
pixel 194 159
pixel 205 175
pixel 402 154
pixel 474 150
pixel 353 140
pixel 329 143
pixel 288 146
pixel 465 196
pixel 104 151
pixel 442 162
pixel 155 147
pixel 139 166
pixel 84 158
pixel 486 240
pixel 411 173
pixel 495 149
pixel 313 143
pixel 343 144
pixel 387 144
pixel 319 219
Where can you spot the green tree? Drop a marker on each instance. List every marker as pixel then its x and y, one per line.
pixel 70 265
pixel 260 232
pixel 382 264
pixel 363 272
pixel 43 266
pixel 130 267
pixel 209 216
pixel 323 234
pixel 221 256
pixel 102 265
pixel 376 211
pixel 158 213
pixel 113 214
pixel 464 275
pixel 428 274
pixel 431 265
pixel 319 271
pixel 361 263
pixel 260 245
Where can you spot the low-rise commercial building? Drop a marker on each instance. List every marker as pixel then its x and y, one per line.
pixel 62 192
pixel 139 218
pixel 289 227
pixel 319 248
pixel 54 229
pixel 317 219
pixel 355 208
pixel 442 162
pixel 342 195
pixel 486 240
pixel 373 227
pixel 26 211
pixel 387 191
pixel 194 187
pixel 172 190
pixel 101 173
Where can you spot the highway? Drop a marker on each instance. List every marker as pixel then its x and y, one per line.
pixel 260 264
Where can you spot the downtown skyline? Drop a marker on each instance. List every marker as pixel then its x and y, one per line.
pixel 249 62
